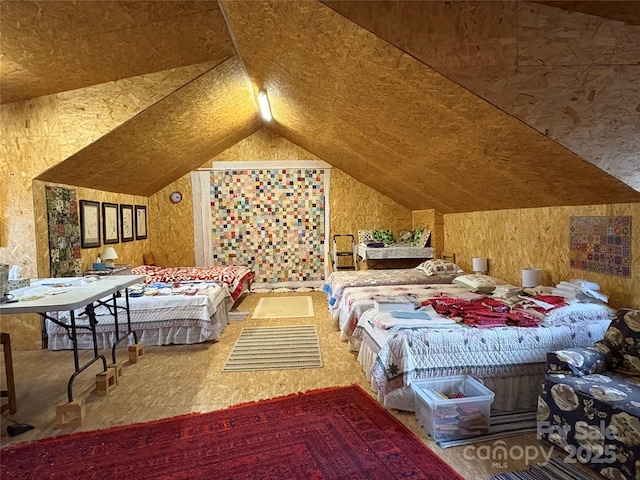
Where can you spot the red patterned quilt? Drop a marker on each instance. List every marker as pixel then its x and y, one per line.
pixel 234 276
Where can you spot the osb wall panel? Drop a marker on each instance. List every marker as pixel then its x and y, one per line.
pixel 36 134
pixel 262 145
pixel 128 252
pixel 39 133
pixel 172 243
pixel 396 124
pixel 168 139
pixel 571 76
pixel 433 221
pixel 51 47
pixel 456 33
pixel 353 205
pixel 87 114
pixel 539 237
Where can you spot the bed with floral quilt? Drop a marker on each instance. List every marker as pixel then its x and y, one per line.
pixel 357 300
pixel 510 360
pixel 429 272
pixel 237 278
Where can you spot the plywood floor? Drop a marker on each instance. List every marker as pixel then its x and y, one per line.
pixel 174 380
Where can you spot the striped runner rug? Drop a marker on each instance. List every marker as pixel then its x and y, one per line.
pixel 501 425
pixel 554 469
pixel 275 348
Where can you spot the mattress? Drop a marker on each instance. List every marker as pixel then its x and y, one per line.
pixel 399 355
pixel 157 320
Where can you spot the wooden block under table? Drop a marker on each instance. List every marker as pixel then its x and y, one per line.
pixel 106 381
pixel 117 370
pixel 135 352
pixel 70 415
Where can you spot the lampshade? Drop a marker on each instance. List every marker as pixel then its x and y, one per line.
pixel 531 277
pixel 265 108
pixel 480 264
pixel 109 253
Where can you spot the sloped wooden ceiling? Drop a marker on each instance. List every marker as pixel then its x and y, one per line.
pixel 396 124
pixel 572 76
pixel 169 139
pixel 383 115
pixel 55 46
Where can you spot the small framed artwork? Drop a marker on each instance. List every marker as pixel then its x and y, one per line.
pixel 89 224
pixel 110 232
pixel 141 222
pixel 126 223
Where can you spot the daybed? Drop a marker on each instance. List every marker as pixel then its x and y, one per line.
pixel 510 360
pixel 183 315
pixel 590 402
pixel 237 278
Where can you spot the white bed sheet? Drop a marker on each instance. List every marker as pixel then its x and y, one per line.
pixel 157 320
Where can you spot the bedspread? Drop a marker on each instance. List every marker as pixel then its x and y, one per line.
pixel 408 354
pixel 234 276
pixel 357 300
pixel 338 281
pixel 161 319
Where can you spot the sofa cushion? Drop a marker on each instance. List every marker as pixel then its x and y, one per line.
pixel 580 361
pixel 595 419
pixel 623 338
pixel 620 391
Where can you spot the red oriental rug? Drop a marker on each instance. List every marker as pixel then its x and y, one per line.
pixel 334 433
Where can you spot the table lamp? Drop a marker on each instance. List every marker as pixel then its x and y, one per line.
pixel 480 264
pixel 531 277
pixel 108 256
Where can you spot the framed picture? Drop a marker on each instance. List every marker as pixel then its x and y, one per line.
pixel 89 224
pixel 110 223
pixel 141 222
pixel 126 223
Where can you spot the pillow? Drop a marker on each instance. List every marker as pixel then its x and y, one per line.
pixel 421 237
pixel 365 236
pixel 405 236
pixel 439 267
pixel 623 338
pixel 476 283
pixel 384 236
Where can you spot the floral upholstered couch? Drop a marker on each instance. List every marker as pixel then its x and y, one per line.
pixel 590 401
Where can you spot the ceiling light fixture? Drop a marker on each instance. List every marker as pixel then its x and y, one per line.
pixel 265 108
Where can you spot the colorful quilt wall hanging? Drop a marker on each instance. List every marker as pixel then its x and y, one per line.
pixel 64 232
pixel 271 220
pixel 601 244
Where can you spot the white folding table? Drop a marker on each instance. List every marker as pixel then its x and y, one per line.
pixel 50 295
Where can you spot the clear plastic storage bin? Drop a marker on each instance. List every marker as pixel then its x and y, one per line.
pixel 452 418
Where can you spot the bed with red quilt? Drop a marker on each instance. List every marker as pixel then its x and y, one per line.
pixel 237 278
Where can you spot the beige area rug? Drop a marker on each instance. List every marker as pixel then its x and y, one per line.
pixel 237 315
pixel 284 307
pixel 275 348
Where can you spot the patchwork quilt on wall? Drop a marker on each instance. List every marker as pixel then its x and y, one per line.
pixel 601 244
pixel 272 220
pixel 64 232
